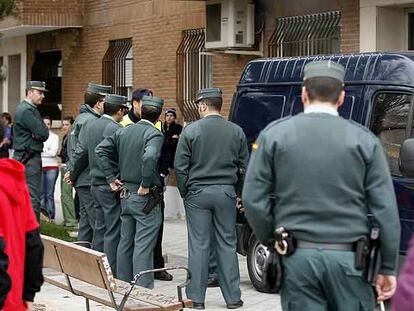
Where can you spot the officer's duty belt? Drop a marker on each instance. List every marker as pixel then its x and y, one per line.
pixel 327 246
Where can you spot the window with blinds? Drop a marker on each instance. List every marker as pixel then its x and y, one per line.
pixel 117 66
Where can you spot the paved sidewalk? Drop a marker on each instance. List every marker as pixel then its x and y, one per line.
pixel 52 298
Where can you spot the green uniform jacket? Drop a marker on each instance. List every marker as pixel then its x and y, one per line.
pixel 29 130
pixel 78 164
pixel 210 151
pixel 138 147
pixel 97 132
pixel 327 173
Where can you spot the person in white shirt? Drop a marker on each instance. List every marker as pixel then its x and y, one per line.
pixel 50 172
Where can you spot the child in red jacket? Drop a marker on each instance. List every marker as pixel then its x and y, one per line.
pixel 21 249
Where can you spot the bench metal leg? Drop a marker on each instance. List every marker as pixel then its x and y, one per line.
pixel 136 277
pixel 88 307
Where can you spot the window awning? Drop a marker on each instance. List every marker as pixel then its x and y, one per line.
pixel 306 35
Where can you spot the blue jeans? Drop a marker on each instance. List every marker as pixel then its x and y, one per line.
pixel 47 197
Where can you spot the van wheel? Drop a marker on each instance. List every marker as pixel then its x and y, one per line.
pixel 256 255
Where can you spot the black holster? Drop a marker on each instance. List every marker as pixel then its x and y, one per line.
pixel 27 155
pixel 272 271
pixel 367 255
pixel 155 196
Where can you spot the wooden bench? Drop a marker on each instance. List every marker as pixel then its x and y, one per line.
pixel 85 272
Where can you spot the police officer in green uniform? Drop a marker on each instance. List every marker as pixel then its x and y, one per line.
pixel 209 153
pixel 29 133
pixel 107 205
pixel 141 142
pixel 78 165
pixel 327 174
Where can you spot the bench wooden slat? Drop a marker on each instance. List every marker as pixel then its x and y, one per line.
pixel 50 259
pixel 98 295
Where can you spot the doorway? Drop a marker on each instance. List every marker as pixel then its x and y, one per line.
pixel 48 68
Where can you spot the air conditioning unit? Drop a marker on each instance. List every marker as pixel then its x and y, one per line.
pixel 230 24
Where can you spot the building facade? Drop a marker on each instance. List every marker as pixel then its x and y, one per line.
pixel 160 44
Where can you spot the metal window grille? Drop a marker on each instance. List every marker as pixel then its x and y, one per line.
pixel 306 35
pixel 194 71
pixel 117 66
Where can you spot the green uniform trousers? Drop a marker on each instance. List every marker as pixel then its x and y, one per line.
pixel 108 222
pixel 87 215
pixel 68 204
pixel 139 234
pixel 33 180
pixel 324 280
pixel 211 211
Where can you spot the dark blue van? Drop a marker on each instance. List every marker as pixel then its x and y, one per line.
pixel 379 95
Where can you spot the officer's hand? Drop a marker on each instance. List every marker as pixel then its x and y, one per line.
pixel 143 191
pixel 116 185
pixel 66 178
pixel 385 286
pixel 239 205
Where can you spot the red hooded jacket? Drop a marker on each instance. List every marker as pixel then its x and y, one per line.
pixel 19 230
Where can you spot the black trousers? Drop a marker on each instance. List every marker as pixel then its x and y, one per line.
pixel 158 259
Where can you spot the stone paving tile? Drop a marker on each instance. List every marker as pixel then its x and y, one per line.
pixel 52 298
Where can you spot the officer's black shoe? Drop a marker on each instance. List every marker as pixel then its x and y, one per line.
pixel 163 276
pixel 213 282
pixel 235 305
pixel 199 305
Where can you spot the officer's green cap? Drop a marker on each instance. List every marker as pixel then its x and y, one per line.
pixel 98 89
pixel 36 85
pixel 152 101
pixel 117 100
pixel 324 68
pixel 212 92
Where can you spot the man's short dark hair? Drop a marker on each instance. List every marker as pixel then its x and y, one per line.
pixel 68 118
pixel 214 103
pixel 47 118
pixel 138 94
pixel 7 116
pixel 111 109
pixel 150 113
pixel 92 98
pixel 323 89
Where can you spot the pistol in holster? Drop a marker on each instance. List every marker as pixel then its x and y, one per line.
pixel 367 255
pixel 272 271
pixel 155 196
pixel 283 245
pixel 27 155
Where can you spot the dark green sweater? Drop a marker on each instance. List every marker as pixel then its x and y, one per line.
pixel 29 130
pixel 78 164
pixel 326 172
pixel 138 147
pixel 97 132
pixel 209 152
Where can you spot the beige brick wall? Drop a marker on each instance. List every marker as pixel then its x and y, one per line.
pixel 52 12
pixel 155 28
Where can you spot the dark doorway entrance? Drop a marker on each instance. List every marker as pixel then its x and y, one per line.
pixel 48 68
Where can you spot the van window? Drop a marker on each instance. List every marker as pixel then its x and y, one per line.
pixel 255 110
pixel 389 122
